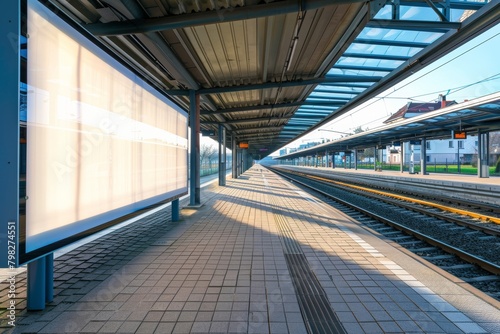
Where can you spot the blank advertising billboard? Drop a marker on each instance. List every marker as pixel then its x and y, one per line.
pixel 101 143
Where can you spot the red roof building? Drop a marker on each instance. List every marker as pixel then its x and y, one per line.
pixel 412 109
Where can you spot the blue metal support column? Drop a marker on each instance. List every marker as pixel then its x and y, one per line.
pixel 333 160
pixel 194 122
pixel 240 162
pixel 175 210
pixel 40 282
pixel 36 284
pixel 49 277
pixel 423 156
pixel 10 16
pixel 355 159
pixel 401 157
pixel 483 143
pixel 234 157
pixel 375 158
pixel 243 161
pixel 222 155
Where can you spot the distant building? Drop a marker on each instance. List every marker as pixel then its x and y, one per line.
pixel 452 150
pixel 437 151
pixel 412 109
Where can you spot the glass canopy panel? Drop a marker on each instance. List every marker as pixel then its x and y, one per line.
pixel 339 89
pixel 458 15
pixel 365 73
pixel 370 62
pixel 348 95
pixel 418 13
pixel 310 115
pixel 315 108
pixel 386 34
pixel 382 49
pixel 385 13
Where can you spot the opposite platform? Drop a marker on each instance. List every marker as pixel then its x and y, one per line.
pixel 470 187
pixel 260 256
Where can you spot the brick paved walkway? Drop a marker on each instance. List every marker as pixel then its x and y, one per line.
pixel 225 268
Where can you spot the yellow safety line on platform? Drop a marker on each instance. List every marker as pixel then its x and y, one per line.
pixel 409 199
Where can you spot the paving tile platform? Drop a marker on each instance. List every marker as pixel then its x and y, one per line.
pixel 259 256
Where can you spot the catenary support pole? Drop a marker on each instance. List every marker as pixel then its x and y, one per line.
pixel 355 159
pixel 423 156
pixel 483 144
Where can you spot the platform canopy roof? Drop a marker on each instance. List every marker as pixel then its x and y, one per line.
pixel 480 115
pixel 271 71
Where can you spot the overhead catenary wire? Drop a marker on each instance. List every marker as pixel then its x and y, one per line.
pixel 378 98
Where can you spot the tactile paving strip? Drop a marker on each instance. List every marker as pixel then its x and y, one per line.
pixel 318 315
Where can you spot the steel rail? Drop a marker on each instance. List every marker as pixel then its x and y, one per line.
pixel 471 214
pixel 424 203
pixel 486 265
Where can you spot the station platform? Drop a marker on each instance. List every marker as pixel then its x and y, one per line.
pixel 462 186
pixel 493 181
pixel 259 256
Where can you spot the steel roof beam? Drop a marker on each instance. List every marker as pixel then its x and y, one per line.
pixel 317 109
pixel 249 120
pixel 340 80
pixel 375 56
pixel 452 4
pixel 330 82
pixel 390 43
pixel 308 117
pixel 362 68
pixel 313 112
pixel 333 91
pixel 275 128
pixel 348 36
pixel 316 100
pixel 348 85
pixel 259 136
pixel 270 106
pixel 430 26
pixel 311 115
pixel 140 26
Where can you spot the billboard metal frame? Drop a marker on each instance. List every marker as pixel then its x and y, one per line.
pixel 11 254
pixel 10 18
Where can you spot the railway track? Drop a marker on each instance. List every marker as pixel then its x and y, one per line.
pixel 464 243
pixel 481 201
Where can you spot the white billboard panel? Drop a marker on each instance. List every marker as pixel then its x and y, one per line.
pixel 101 143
